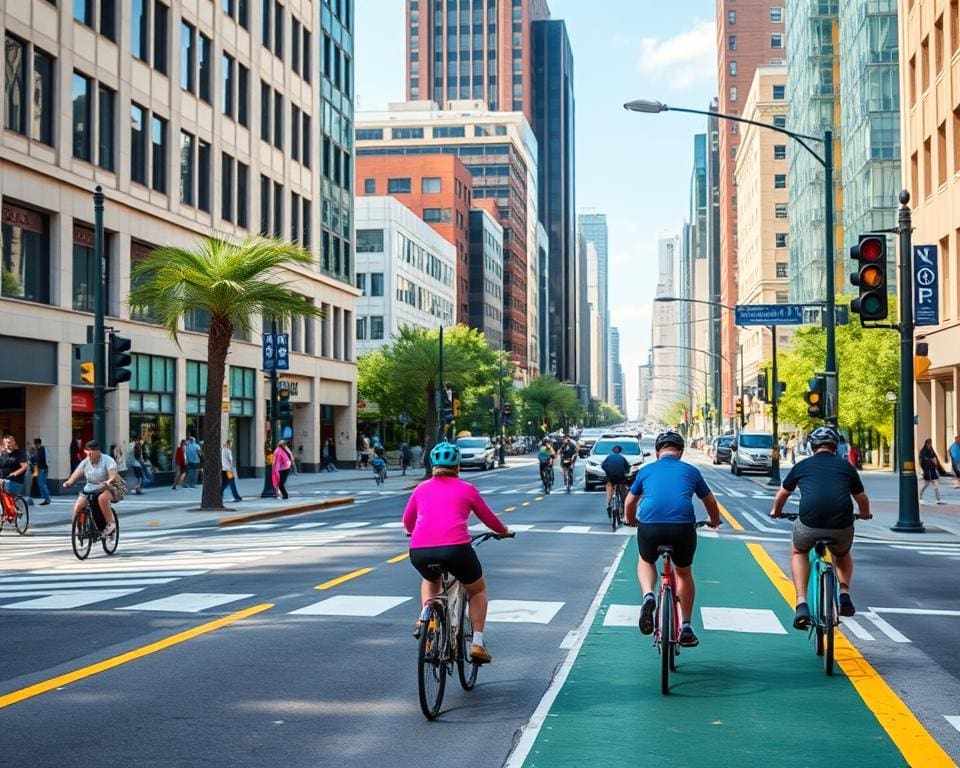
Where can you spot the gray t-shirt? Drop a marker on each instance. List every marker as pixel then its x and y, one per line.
pixel 96 474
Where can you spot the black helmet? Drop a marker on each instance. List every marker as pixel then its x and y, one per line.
pixel 825 435
pixel 674 439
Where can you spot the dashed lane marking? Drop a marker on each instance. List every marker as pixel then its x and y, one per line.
pixel 758 620
pixel 854 626
pixel 522 611
pixel 186 602
pixel 352 605
pixel 66 600
pixel 884 626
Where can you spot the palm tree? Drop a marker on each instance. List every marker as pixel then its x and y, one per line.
pixel 233 283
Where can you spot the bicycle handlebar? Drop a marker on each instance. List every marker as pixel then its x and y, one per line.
pixel 796 516
pixel 482 537
pixel 703 523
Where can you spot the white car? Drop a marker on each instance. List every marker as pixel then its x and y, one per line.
pixel 477 453
pixel 594 476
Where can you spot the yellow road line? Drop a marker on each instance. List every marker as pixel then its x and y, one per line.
pixel 525 504
pixel 345 577
pixel 398 558
pixel 102 666
pixel 509 509
pixel 538 498
pixel 734 523
pixel 912 739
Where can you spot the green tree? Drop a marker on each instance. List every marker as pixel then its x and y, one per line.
pixel 233 283
pixel 545 398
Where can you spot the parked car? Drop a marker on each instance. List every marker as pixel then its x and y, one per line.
pixel 720 449
pixel 587 439
pixel 477 453
pixel 752 452
pixel 594 476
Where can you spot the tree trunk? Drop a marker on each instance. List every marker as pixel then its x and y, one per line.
pixel 218 344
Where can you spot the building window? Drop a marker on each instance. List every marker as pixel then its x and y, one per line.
pixel 369 241
pixel 434 215
pixel 733 93
pixel 370 134
pixel 264 206
pixel 227 164
pixel 776 15
pixel 780 240
pixel 776 41
pixel 731 17
pixel 243 202
pixel 406 133
pixel 780 211
pixel 82 93
pixel 152 405
pixel 449 132
pixel 295 132
pixel 138 143
pixel 188 56
pixel 158 138
pixel 243 94
pixel 141 26
pixel 781 269
pixel 361 281
pixel 26 254
pixel 307 149
pixel 266 102
pixel 205 54
pixel 227 96
pixel 780 121
pixel 780 181
pixel 369 186
pixel 376 283
pixel 783 297
pixel 731 42
pixel 779 151
pixel 278 120
pixel 779 92
pixel 398 186
pixel 84 270
pixel 43 69
pixel 161 15
pixel 187 160
pixel 430 185
pixel 15 85
pixel 277 210
pixel 204 175
pixel 733 69
pixel 376 327
pixel 361 329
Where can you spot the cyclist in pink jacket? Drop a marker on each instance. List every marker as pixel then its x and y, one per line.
pixel 436 519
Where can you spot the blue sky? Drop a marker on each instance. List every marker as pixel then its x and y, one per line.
pixel 635 168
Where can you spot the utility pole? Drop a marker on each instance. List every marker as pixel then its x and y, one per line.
pixel 439 394
pixel 269 491
pixel 775 460
pixel 99 336
pixel 501 427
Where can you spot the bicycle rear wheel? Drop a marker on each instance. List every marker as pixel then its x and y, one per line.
pixel 665 633
pixel 431 664
pixel 80 535
pixel 22 521
pixel 110 542
pixel 828 607
pixel 615 512
pixel 466 668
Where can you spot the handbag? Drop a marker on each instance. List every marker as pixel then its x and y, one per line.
pixel 229 475
pixel 118 489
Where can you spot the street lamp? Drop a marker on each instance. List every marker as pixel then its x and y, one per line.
pixel 648 106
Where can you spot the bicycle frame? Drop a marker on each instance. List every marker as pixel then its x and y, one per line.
pixel 668 579
pixel 819 566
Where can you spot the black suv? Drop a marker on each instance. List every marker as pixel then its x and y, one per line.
pixel 721 449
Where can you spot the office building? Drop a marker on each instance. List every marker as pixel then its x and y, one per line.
pixel 669 360
pixel 486 274
pixel 618 396
pixel 593 225
pixel 701 328
pixel 237 123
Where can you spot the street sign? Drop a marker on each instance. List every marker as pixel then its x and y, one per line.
pixel 926 278
pixel 769 314
pixel 269 352
pixel 283 350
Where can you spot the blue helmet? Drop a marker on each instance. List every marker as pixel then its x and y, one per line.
pixel 445 455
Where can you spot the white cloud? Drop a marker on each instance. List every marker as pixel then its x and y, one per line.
pixel 681 60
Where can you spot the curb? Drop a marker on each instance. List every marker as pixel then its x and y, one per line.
pixel 297 510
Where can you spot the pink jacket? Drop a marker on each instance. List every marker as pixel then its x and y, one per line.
pixel 281 461
pixel 437 512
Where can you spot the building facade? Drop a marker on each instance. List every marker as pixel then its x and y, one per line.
pixel 593 225
pixel 486 276
pixel 669 360
pixel 618 394
pixel 406 273
pixel 701 327
pixel 216 122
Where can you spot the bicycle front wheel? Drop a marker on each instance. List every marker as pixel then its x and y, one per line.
pixel 80 535
pixel 615 514
pixel 828 606
pixel 22 520
pixel 665 633
pixel 466 668
pixel 432 665
pixel 110 542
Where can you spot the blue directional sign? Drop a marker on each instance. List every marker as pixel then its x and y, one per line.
pixel 283 351
pixel 769 314
pixel 926 291
pixel 269 352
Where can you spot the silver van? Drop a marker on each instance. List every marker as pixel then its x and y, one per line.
pixel 751 452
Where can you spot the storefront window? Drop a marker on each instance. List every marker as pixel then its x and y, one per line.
pixel 242 391
pixel 152 407
pixel 26 254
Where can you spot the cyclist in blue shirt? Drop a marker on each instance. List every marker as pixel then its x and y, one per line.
pixel 663 491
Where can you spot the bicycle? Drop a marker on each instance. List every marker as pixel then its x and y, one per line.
pixel 379 471
pixel 616 507
pixel 823 597
pixel 567 476
pixel 445 635
pixel 15 510
pixel 546 476
pixel 84 531
pixel 666 630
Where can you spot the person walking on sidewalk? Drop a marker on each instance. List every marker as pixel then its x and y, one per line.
pixel 406 456
pixel 327 456
pixel 41 458
pixel 180 461
pixel 192 455
pixel 135 462
pixel 282 461
pixel 932 469
pixel 228 471
pixel 955 461
pixel 77 453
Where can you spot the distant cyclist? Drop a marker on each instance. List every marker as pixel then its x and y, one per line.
pixel 545 458
pixel 664 490
pixel 568 454
pixel 617 468
pixel 436 518
pixel 826 484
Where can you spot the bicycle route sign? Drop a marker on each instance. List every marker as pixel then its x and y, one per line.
pixel 769 314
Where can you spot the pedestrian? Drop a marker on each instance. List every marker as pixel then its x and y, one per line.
pixel 119 454
pixel 930 465
pixel 327 456
pixel 192 455
pixel 181 463
pixel 135 462
pixel 228 471
pixel 359 449
pixel 14 466
pixel 42 464
pixel 792 447
pixel 955 461
pixel 146 449
pixel 853 456
pixel 77 454
pixel 406 456
pixel 365 453
pixel 282 461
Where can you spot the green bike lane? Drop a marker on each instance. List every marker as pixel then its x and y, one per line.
pixel 752 693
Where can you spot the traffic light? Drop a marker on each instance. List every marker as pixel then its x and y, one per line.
pixel 87 372
pixel 871 277
pixel 119 360
pixel 507 413
pixel 285 409
pixel 739 407
pixel 762 387
pixel 456 403
pixel 816 397
pixel 921 363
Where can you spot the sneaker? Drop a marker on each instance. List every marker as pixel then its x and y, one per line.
pixel 846 605
pixel 108 531
pixel 44 503
pixel 802 618
pixel 940 502
pixel 688 639
pixel 647 610
pixel 479 654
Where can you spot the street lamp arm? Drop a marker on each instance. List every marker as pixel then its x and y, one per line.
pixel 667 299
pixel 692 349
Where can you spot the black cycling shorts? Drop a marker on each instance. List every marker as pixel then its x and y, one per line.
pixel 617 479
pixel 681 536
pixel 460 560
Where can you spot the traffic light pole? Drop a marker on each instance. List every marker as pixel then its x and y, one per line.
pixel 269 492
pixel 775 400
pixel 99 353
pixel 908 520
pixel 501 430
pixel 440 393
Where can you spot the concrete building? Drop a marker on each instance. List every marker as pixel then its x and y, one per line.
pixel 439 189
pixel 183 147
pixel 750 33
pixel 595 345
pixel 930 138
pixel 540 301
pixel 645 373
pixel 481 51
pixel 405 270
pixel 618 395
pixel 670 369
pixel 593 225
pixel 499 150
pixel 582 323
pixel 714 270
pixel 486 275
pixel 763 236
pixel 701 327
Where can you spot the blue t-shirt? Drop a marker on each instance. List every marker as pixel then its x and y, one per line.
pixel 666 488
pixel 191 452
pixel 955 452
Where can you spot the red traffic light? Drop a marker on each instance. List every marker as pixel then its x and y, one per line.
pixel 871 249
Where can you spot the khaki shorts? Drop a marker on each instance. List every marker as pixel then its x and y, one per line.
pixel 805 537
